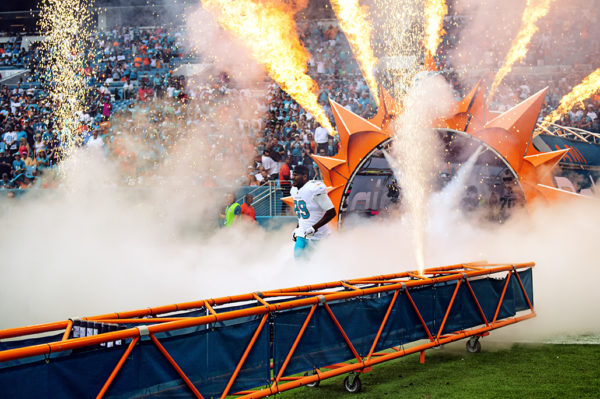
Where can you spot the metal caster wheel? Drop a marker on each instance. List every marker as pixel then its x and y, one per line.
pixel 352 384
pixel 312 384
pixel 473 345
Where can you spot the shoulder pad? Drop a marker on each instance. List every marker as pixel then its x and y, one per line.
pixel 318 187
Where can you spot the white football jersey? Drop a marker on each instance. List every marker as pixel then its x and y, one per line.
pixel 310 204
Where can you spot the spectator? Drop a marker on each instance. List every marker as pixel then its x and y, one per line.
pixel 10 138
pixel 38 144
pixel 95 142
pixel 5 163
pixel 106 108
pixel 270 165
pixel 128 89
pixel 5 182
pixel 259 176
pixel 23 147
pixel 285 176
pixel 232 210
pixel 295 150
pixel 264 178
pixel 29 161
pixel 309 164
pixel 247 210
pixel 42 162
pixel 18 165
pixel 322 139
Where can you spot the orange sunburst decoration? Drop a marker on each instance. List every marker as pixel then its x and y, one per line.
pixel 509 134
pixel 534 10
pixel 354 23
pixel 269 31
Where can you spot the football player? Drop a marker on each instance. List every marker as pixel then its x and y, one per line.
pixel 313 208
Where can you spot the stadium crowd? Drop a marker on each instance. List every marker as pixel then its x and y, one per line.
pixel 139 107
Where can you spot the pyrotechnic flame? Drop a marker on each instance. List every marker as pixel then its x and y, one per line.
pixel 534 10
pixel 400 29
pixel 581 92
pixel 269 31
pixel 65 25
pixel 435 11
pixel 353 21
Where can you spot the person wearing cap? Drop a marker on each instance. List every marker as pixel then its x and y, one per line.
pixel 18 164
pixel 314 210
pixel 42 162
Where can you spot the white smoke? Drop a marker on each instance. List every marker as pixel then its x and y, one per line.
pixel 92 246
pixel 560 239
pixel 416 149
pixel 89 248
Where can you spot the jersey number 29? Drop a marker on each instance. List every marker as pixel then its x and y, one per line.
pixel 301 209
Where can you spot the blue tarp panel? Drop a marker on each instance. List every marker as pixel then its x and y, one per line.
pixel 207 356
pixel 322 343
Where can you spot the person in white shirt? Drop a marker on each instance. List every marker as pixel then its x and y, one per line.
pixel 128 89
pixel 10 138
pixel 314 210
pixel 322 139
pixel 95 141
pixel 270 165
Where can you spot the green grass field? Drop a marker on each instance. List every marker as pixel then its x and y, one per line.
pixel 521 371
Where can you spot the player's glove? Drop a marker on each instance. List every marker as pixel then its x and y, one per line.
pixel 309 232
pixel 295 234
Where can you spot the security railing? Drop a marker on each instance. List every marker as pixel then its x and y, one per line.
pixel 267 198
pixel 568 132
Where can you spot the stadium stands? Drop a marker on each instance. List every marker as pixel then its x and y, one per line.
pixel 138 94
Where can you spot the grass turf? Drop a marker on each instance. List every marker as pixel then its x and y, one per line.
pixel 521 371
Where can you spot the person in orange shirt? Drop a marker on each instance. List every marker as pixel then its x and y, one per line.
pixel 248 212
pixel 137 61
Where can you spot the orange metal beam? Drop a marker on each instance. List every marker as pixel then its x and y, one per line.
pixel 117 368
pixel 380 359
pixel 143 321
pixel 448 310
pixel 298 293
pixel 259 299
pixel 30 330
pixel 176 367
pixel 524 291
pixel 414 305
pixel 225 300
pixel 44 349
pixel 344 335
pixel 295 344
pixel 210 309
pixel 383 322
pixel 345 284
pixel 476 302
pixel 67 330
pixel 244 356
pixel 502 296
